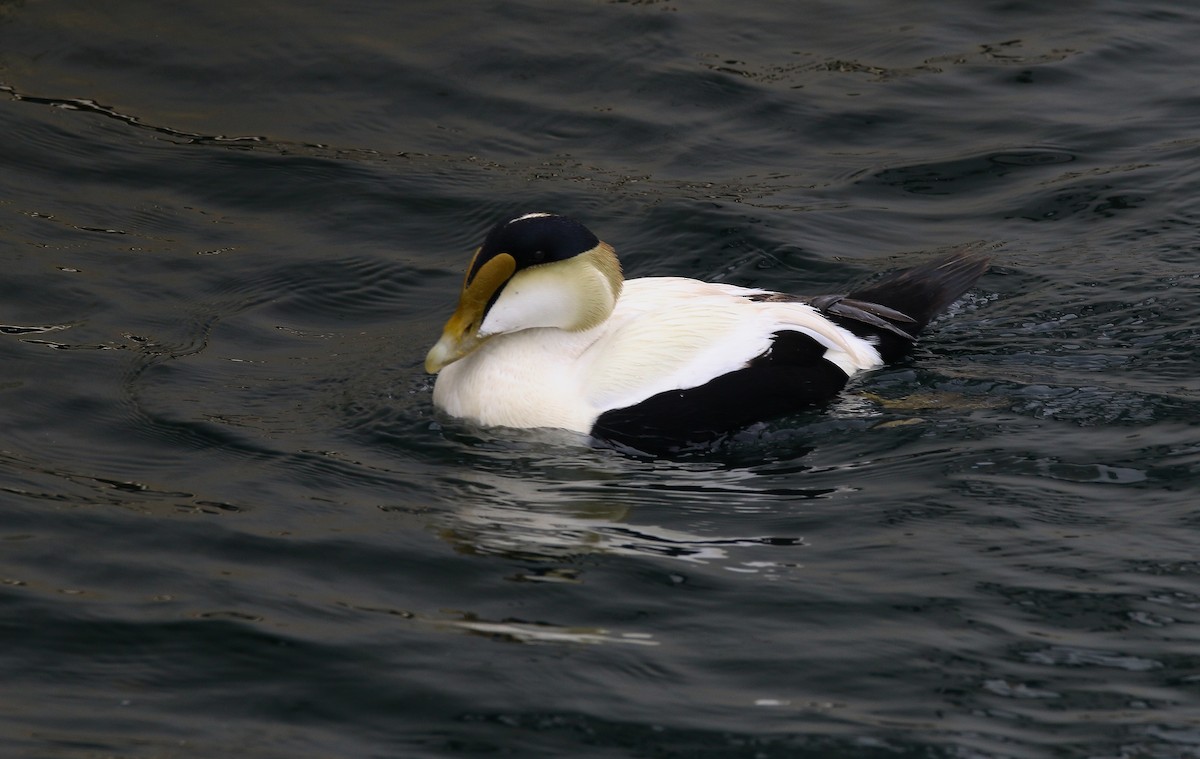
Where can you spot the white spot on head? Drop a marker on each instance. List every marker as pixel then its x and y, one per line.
pixel 539 215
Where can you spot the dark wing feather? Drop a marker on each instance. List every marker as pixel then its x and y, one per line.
pixel 892 311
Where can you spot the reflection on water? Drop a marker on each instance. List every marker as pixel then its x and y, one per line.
pixel 551 507
pixel 544 531
pixel 533 632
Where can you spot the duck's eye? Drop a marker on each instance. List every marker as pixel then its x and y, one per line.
pixel 539 256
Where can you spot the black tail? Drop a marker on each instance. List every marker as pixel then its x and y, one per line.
pixel 919 293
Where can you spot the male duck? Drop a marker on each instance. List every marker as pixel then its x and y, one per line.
pixel 549 334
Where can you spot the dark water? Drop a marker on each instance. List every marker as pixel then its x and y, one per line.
pixel 232 525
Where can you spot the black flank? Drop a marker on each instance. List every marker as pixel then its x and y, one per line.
pixel 789 377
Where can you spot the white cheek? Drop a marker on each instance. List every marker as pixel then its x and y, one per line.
pixel 531 299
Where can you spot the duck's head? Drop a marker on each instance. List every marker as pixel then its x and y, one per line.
pixel 537 270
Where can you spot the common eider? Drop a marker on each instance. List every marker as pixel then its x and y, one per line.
pixel 549 334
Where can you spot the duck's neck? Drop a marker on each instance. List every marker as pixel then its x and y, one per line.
pixel 573 295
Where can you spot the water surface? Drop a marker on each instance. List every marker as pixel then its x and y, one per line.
pixel 233 525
